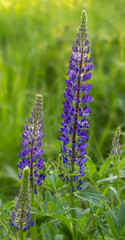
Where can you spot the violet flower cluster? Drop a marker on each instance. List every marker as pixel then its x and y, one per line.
pixel 21 216
pixel 115 143
pixel 74 125
pixel 31 144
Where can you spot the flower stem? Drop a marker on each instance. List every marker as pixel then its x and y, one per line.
pixel 33 217
pixel 118 179
pixel 73 212
pixel 66 197
pixel 21 232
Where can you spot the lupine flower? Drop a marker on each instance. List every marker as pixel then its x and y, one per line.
pixel 115 143
pixel 32 151
pixel 74 124
pixel 21 216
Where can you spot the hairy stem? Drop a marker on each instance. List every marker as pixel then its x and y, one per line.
pixel 21 232
pixel 118 179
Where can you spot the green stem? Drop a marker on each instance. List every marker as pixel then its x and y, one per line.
pixel 33 217
pixel 72 211
pixel 118 180
pixel 66 197
pixel 21 233
pixel 32 197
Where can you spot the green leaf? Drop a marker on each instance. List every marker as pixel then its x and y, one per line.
pixel 121 217
pixel 91 196
pixel 113 159
pixel 62 218
pixel 122 163
pixel 59 211
pixel 95 194
pixel 48 196
pixel 61 205
pixel 111 219
pixel 114 191
pixel 59 183
pixel 8 205
pixel 121 238
pixel 82 222
pixel 58 237
pixel 51 181
pixel 105 230
pixel 51 207
pixel 88 175
pixel 122 233
pixel 79 213
pixel 35 210
pixel 90 166
pixel 96 177
pixel 109 179
pixel 104 166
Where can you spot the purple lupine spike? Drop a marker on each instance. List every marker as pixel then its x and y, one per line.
pixel 21 216
pixel 31 144
pixel 74 124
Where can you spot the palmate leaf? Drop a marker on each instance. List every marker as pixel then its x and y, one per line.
pixel 51 207
pixel 53 182
pixel 35 211
pixel 54 213
pixel 91 196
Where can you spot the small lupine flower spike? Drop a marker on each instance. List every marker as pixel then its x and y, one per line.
pixel 32 151
pixel 74 124
pixel 21 216
pixel 115 143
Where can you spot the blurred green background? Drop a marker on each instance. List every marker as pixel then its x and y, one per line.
pixel 36 37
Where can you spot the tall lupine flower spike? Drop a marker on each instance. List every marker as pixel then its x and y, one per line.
pixel 115 143
pixel 74 124
pixel 32 151
pixel 21 216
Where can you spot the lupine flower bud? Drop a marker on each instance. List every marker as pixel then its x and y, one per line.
pixel 32 151
pixel 115 143
pixel 21 216
pixel 74 123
